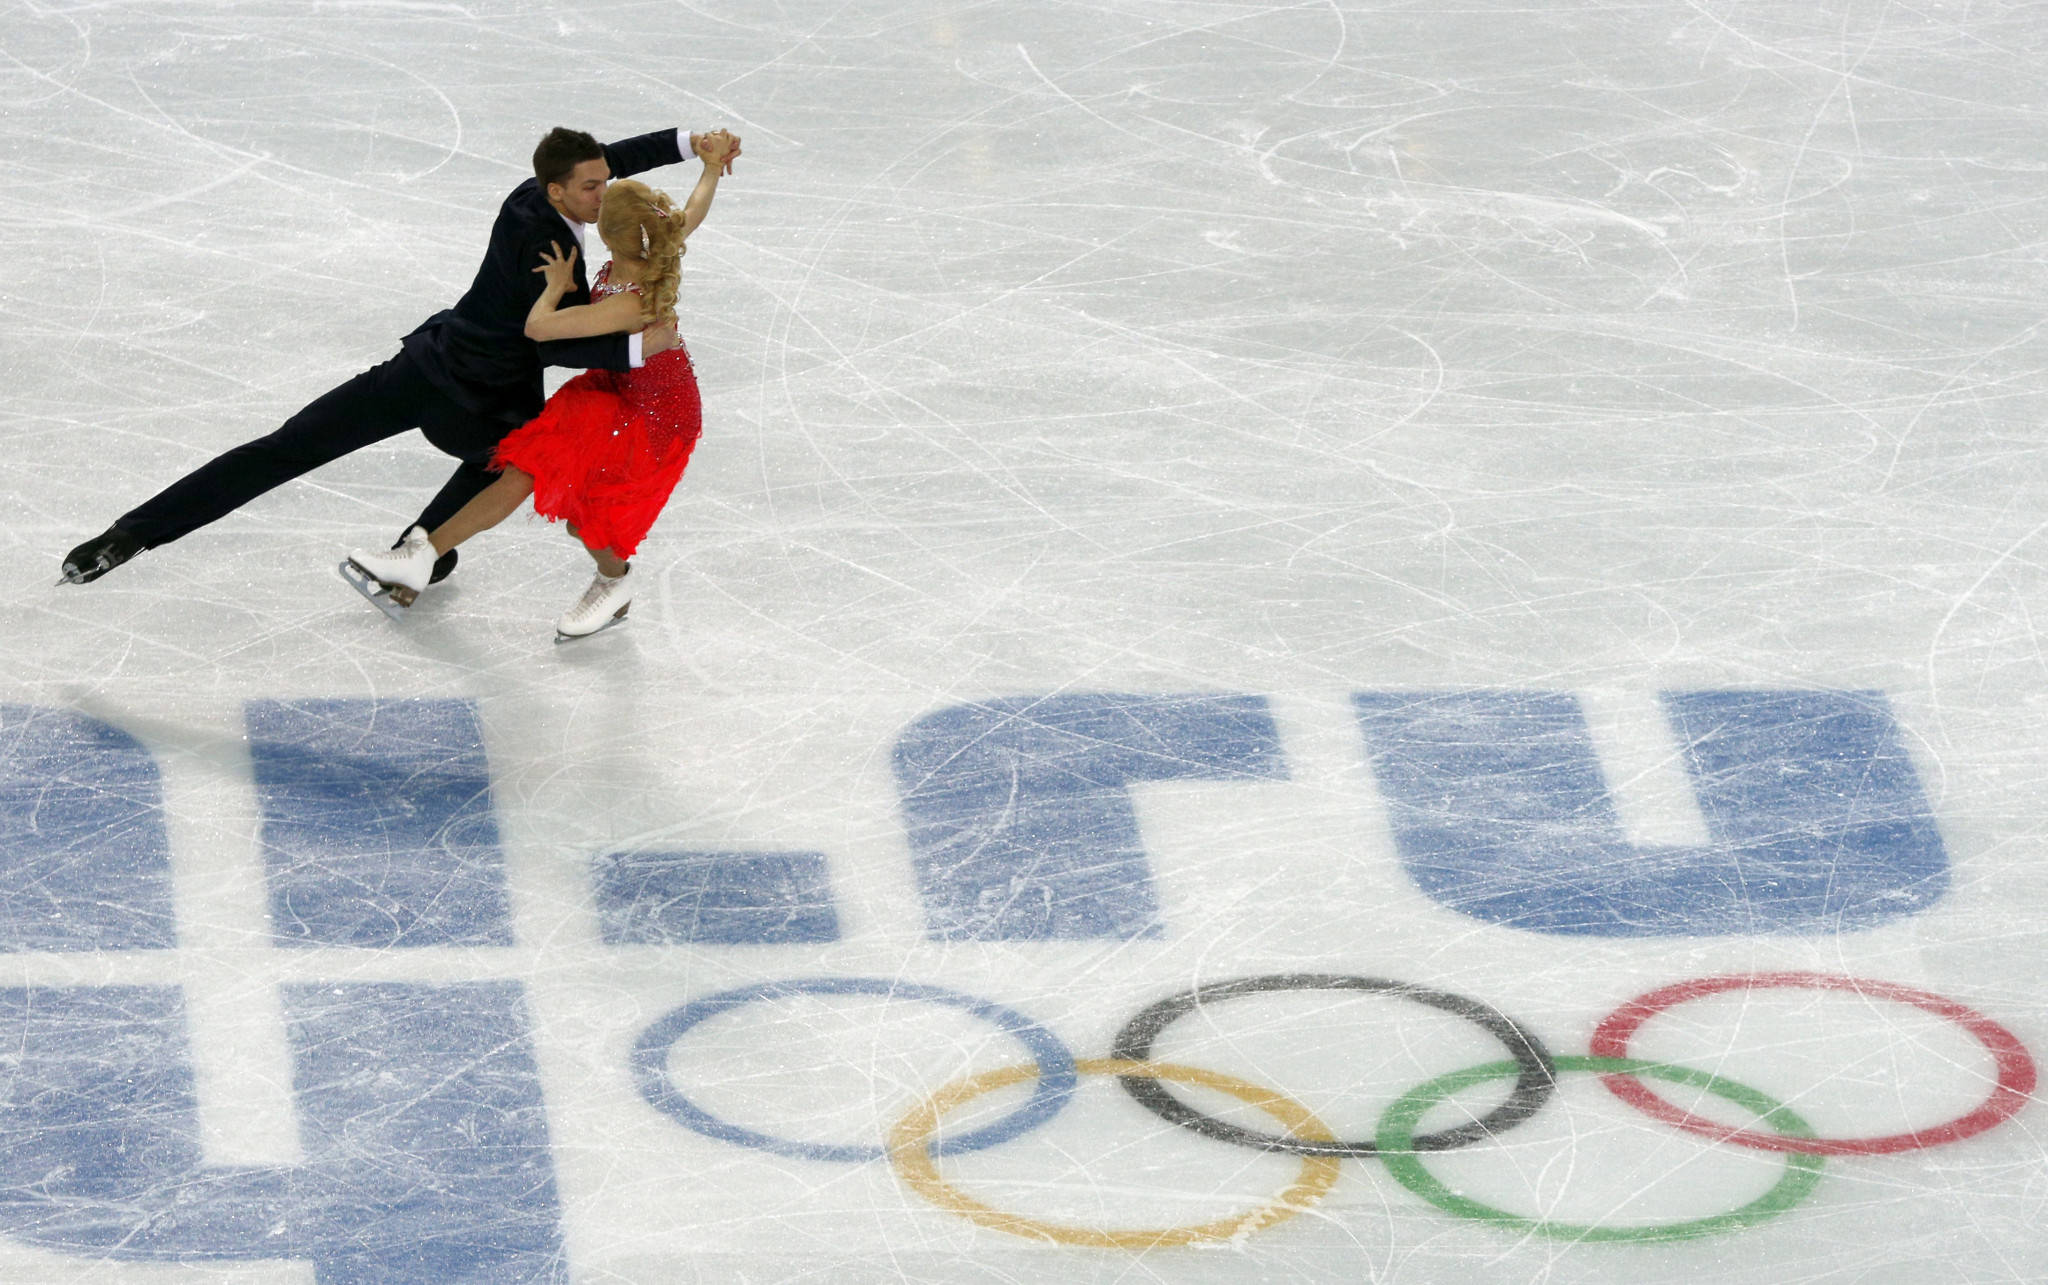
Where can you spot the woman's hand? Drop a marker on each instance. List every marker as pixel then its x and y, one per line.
pixel 559 269
pixel 718 148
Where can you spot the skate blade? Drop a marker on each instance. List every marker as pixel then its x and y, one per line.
pixel 618 618
pixel 380 595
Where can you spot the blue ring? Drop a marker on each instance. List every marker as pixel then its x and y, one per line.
pixel 1056 1076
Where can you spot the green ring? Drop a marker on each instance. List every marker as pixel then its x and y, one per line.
pixel 1397 1131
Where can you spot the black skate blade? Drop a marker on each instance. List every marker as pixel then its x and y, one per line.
pixel 618 618
pixel 83 575
pixel 376 591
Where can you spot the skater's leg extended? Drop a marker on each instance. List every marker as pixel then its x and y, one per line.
pixel 382 402
pixel 379 403
pixel 487 509
pixel 469 480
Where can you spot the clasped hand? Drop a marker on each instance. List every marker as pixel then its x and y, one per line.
pixel 719 148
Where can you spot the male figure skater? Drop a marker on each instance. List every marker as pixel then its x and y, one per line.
pixel 466 377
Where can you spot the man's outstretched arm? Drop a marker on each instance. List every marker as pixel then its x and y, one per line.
pixel 643 152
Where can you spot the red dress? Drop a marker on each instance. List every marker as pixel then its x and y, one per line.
pixel 610 445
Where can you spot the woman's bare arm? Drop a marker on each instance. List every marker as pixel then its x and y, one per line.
pixel 616 315
pixel 715 159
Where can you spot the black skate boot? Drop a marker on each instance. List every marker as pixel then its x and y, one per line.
pixel 99 555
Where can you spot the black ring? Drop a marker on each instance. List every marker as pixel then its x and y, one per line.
pixel 1534 1084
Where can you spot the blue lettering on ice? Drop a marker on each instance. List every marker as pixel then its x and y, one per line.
pixel 1020 820
pixel 426 1148
pixel 84 860
pixel 1817 819
pixel 729 898
pixel 377 824
pixel 420 1105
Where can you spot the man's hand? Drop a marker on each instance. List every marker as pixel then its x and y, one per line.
pixel 658 338
pixel 719 147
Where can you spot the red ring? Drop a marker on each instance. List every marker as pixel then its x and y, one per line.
pixel 2016 1076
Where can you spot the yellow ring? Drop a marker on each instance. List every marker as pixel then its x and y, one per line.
pixel 910 1153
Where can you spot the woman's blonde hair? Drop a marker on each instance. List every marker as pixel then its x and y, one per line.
pixel 645 224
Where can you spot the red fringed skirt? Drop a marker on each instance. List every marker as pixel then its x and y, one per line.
pixel 609 447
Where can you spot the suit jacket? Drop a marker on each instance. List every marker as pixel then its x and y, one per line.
pixel 477 352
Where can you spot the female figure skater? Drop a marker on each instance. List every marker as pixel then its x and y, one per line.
pixel 609 446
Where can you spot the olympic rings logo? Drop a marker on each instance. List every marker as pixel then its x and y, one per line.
pixel 1532 1070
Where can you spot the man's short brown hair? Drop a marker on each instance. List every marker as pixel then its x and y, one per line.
pixel 561 152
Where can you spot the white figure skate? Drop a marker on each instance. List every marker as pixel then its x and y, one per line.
pixel 602 605
pixel 392 578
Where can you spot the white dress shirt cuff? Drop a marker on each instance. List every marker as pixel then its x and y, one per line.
pixel 633 352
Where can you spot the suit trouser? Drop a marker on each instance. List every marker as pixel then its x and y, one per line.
pixel 382 402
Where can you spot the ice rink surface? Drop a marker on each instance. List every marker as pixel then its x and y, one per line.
pixel 1384 556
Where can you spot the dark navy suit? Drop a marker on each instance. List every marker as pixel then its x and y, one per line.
pixel 465 378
